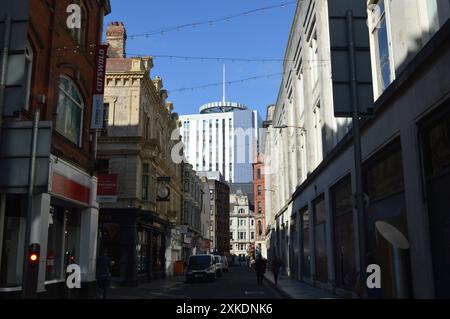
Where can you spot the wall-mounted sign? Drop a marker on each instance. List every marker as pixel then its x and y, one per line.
pixel 184 229
pixel 107 188
pixel 99 87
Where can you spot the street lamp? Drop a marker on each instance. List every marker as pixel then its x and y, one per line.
pixel 289 126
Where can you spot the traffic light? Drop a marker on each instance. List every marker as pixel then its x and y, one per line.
pixel 32 271
pixel 34 255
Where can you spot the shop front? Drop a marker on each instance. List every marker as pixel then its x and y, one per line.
pixel 63 220
pixel 136 241
pixel 435 136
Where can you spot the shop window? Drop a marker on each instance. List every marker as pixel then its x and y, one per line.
pixel 344 235
pixel 141 251
pixel 438 139
pixel 384 174
pixel 56 232
pixel 13 242
pixel 306 256
pixel 72 240
pixel 320 240
pixel 70 111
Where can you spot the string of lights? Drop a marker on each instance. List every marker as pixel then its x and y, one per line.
pixel 210 22
pixel 227 82
pixel 206 58
pixel 190 58
pixel 205 86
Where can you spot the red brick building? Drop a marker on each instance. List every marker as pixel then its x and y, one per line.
pixel 259 195
pixel 59 81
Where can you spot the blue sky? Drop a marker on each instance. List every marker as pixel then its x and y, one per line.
pixel 260 35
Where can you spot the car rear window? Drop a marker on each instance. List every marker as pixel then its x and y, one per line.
pixel 199 260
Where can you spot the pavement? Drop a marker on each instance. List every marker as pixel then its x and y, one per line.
pixel 291 288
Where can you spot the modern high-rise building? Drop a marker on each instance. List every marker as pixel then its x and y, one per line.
pixel 223 138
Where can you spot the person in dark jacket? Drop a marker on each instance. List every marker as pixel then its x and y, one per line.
pixel 276 267
pixel 260 268
pixel 104 273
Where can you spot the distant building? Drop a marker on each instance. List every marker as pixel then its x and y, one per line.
pixel 223 138
pixel 242 225
pixel 260 209
pixel 220 212
pixel 191 218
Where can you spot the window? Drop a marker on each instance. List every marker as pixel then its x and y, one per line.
pixel 320 240
pixel 253 222
pixel 104 131
pixel 258 173
pixel 231 236
pixel 13 242
pixel 145 179
pixel 314 57
pixel 241 211
pixel 70 111
pixel 259 208
pixel 141 251
pixel 260 230
pixel 259 190
pixel 382 48
pixel 384 175
pixel 433 16
pixel 252 235
pixel 54 244
pixel 28 74
pixel 79 34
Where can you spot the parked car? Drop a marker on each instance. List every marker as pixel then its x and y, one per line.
pixel 225 266
pixel 219 265
pixel 201 267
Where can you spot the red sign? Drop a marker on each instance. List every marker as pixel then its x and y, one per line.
pixel 69 189
pixel 107 187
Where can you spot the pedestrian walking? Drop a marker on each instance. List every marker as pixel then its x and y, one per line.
pixel 104 273
pixel 276 268
pixel 260 268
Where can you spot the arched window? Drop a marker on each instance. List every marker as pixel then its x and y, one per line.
pixel 69 111
pixel 79 34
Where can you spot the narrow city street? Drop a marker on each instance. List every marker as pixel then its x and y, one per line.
pixel 239 283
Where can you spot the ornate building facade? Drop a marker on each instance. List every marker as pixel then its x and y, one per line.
pixel 139 227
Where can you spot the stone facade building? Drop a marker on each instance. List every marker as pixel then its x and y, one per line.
pixel 242 226
pixel 191 218
pixel 309 154
pixel 139 228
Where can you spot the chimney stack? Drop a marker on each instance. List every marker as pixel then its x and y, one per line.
pixel 116 36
